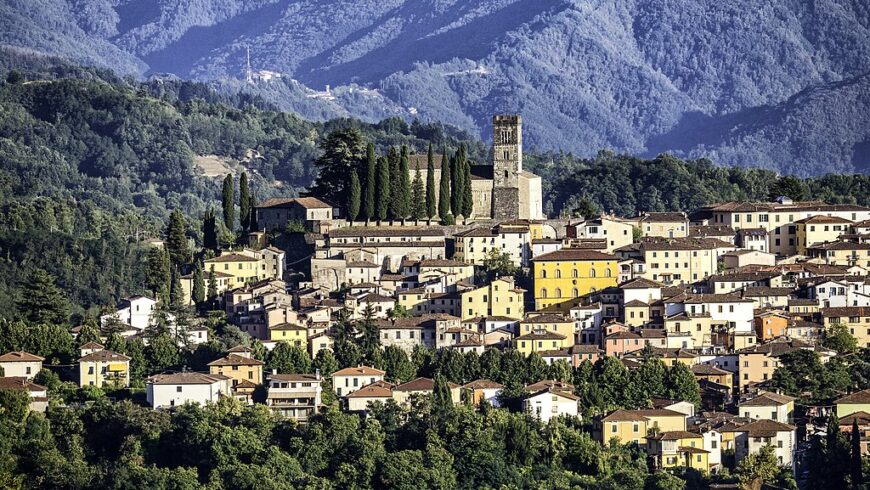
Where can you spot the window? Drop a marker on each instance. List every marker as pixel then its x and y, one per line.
pixel 178 389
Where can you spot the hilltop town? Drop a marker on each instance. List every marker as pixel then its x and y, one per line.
pixel 710 341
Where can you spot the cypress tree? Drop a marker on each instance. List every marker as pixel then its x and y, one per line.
pixel 198 292
pixel 418 207
pixel 857 470
pixel 354 197
pixel 395 183
pixel 430 183
pixel 157 272
pixel 404 202
pixel 371 182
pixel 467 197
pixel 212 285
pixel 253 225
pixel 444 187
pixel 40 300
pixel 456 175
pixel 176 294
pixel 244 202
pixel 209 232
pixel 383 201
pixel 228 199
pixel 176 240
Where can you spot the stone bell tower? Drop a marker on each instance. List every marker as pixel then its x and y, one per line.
pixel 507 163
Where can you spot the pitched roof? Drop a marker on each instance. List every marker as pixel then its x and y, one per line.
pixel 359 371
pixel 293 377
pixel 659 217
pixel 546 318
pixel 622 415
pixel 859 397
pixel 19 383
pixel 236 360
pixel 767 399
pixel 20 356
pixel 846 311
pixel 823 219
pixel 708 370
pixel 186 378
pixel 555 391
pixel 641 283
pixel 104 355
pixel 231 257
pixel 421 384
pixel 91 345
pixel 239 348
pixel 547 383
pixel 764 428
pixel 674 435
pixel 483 384
pixel 541 335
pixel 386 231
pixel 374 390
pixel 861 416
pixel 283 202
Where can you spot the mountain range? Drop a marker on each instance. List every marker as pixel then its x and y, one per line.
pixel 779 84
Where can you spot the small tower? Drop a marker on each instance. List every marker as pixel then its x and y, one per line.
pixel 507 163
pixel 249 74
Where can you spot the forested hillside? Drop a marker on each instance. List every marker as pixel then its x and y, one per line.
pixel 780 85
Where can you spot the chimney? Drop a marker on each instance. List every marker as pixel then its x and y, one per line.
pixel 317 374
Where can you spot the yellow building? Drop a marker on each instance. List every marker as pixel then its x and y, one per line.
pixel 475 245
pixel 241 367
pixel 242 268
pixel 636 313
pixel 500 298
pixel 855 318
pixel 664 225
pixel 635 425
pixel 679 260
pixel 449 272
pixel 698 327
pixel 841 253
pixel 678 449
pixel 548 322
pixel 856 402
pixel 100 367
pixel 541 341
pixel 295 335
pixel 564 275
pixel 819 229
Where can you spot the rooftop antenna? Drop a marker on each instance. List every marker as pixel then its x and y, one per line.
pixel 249 76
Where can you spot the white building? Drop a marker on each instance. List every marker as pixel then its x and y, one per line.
pixel 295 396
pixel 348 380
pixel 172 390
pixel 551 402
pixel 768 405
pixel 38 394
pixel 724 309
pixel 135 312
pixel 20 364
pixel 750 438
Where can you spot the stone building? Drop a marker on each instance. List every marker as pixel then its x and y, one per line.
pixel 501 191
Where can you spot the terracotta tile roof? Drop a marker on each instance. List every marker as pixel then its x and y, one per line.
pixel 91 345
pixel 708 370
pixel 374 390
pixel 443 263
pixel 386 231
pixel 231 257
pixel 186 378
pixel 19 383
pixel 239 348
pixel 421 384
pixel 674 435
pixel 548 383
pixel 20 356
pixel 287 326
pixel 622 415
pixel 764 428
pixel 655 217
pixel 861 416
pixel 641 283
pixel 283 202
pixel 554 353
pixel 541 335
pixel 236 360
pixel 840 246
pixel 823 219
pixel 294 377
pixel 546 318
pixel 767 399
pixel 555 391
pixel 359 371
pixel 483 384
pixel 859 397
pixel 104 356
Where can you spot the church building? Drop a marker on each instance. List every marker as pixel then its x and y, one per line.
pixel 501 191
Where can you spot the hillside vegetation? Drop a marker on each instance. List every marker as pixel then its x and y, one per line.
pixel 773 84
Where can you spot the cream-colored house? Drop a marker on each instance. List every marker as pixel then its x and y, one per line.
pixel 360 399
pixel 634 425
pixel 172 390
pixel 20 364
pixel 768 405
pixel 856 402
pixel 348 380
pixel 499 298
pixel 100 367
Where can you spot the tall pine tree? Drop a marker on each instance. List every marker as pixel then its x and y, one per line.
pixel 354 197
pixel 404 202
pixel 253 225
pixel 369 210
pixel 418 206
pixel 228 200
pixel 41 301
pixel 157 271
pixel 430 183
pixel 176 239
pixel 383 202
pixel 444 187
pixel 212 293
pixel 244 203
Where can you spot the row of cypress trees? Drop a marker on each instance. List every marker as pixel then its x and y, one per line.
pixel 387 191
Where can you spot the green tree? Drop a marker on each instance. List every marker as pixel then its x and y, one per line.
pixel 444 187
pixel 157 272
pixel 176 239
pixel 245 209
pixel 162 353
pixel 838 338
pixel 404 198
pixel 857 458
pixel 788 186
pixel 396 193
pixel 289 359
pixel 209 230
pixel 467 197
pixel 758 469
pixel 343 151
pixel 369 210
pixel 40 300
pixel 586 208
pixel 682 385
pixel 457 176
pixel 430 183
pixel 325 362
pixel 418 204
pixel 176 293
pixel 353 201
pixel 198 290
pixel 442 401
pixel 397 365
pixel 228 202
pixel 383 204
pixel 212 293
